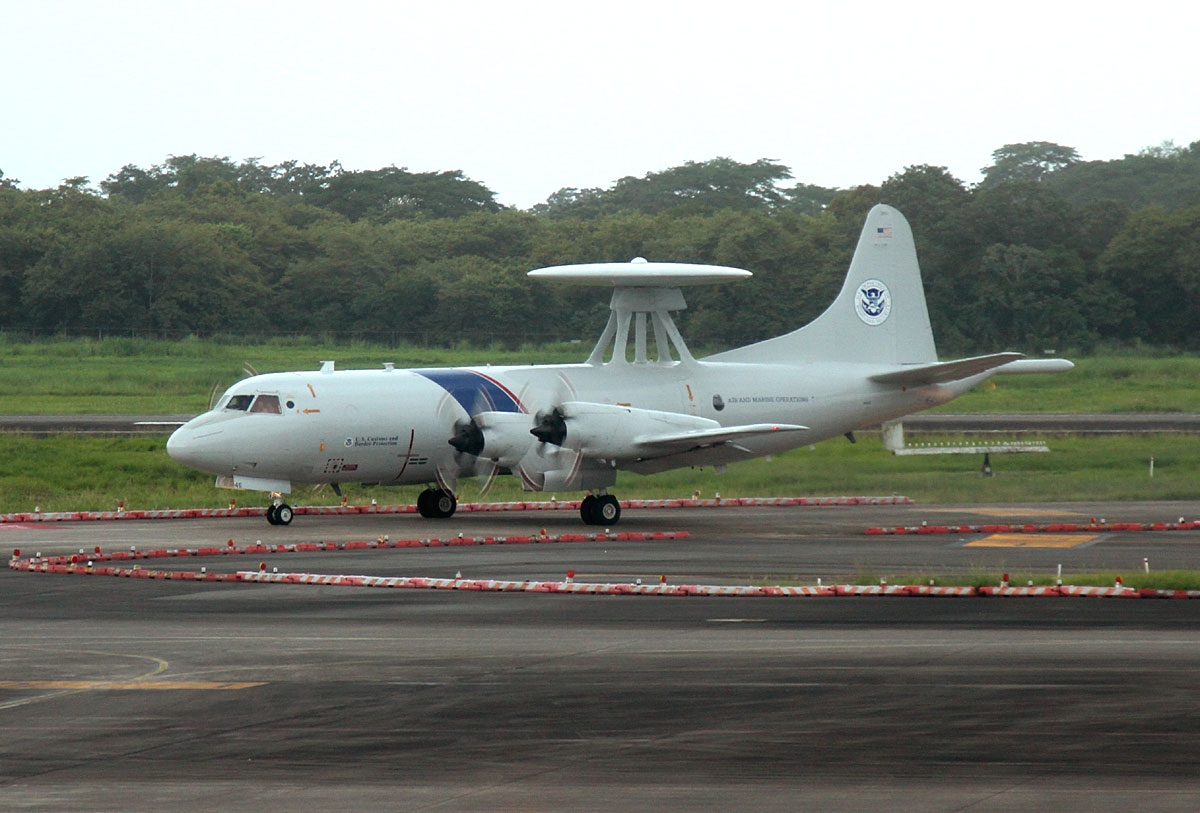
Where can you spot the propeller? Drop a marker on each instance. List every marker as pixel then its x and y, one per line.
pixel 467 441
pixel 551 426
pixel 542 423
pixel 553 450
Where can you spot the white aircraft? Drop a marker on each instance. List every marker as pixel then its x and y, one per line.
pixel 869 358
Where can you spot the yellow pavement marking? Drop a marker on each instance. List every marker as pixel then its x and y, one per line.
pixel 125 685
pixel 1031 541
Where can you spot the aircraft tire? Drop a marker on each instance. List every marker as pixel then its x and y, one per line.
pixel 445 505
pixel 434 503
pixel 608 510
pixel 284 514
pixel 271 518
pixel 587 510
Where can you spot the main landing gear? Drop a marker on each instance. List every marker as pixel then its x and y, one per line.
pixel 433 503
pixel 600 510
pixel 280 514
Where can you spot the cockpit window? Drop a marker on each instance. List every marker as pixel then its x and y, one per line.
pixel 267 403
pixel 239 402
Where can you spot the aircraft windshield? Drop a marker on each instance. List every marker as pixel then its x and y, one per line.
pixel 267 404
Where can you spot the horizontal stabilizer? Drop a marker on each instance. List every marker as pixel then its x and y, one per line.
pixel 683 441
pixel 1025 366
pixel 945 371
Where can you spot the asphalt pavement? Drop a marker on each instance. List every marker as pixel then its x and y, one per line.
pixel 134 694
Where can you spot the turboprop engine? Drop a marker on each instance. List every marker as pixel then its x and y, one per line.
pixel 613 432
pixel 506 437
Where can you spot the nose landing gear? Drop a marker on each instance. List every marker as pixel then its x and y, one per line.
pixel 280 514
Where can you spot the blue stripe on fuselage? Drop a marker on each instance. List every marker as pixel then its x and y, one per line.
pixel 474 391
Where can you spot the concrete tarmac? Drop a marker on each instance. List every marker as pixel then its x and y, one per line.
pixel 136 695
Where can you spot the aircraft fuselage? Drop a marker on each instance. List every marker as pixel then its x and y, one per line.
pixel 389 426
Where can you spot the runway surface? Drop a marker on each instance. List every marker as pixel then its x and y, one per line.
pixel 132 694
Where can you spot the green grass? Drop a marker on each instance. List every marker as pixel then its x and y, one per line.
pixel 154 377
pixel 136 376
pixel 76 473
pixel 1101 384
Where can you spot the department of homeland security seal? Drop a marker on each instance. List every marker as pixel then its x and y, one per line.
pixel 873 302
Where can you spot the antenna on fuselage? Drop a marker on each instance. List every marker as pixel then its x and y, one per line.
pixel 645 295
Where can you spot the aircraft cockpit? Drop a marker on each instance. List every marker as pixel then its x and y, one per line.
pixel 261 403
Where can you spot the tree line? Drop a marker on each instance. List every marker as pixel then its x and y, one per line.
pixel 1046 252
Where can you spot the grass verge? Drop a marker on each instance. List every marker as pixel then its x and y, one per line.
pixel 88 473
pixel 142 376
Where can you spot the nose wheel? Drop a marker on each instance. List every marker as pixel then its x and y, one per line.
pixel 600 510
pixel 280 514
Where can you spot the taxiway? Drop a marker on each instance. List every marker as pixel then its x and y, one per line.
pixel 137 694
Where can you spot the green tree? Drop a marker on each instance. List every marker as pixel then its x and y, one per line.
pixel 386 194
pixel 1154 263
pixel 23 240
pixel 1029 161
pixel 705 186
pixel 1023 213
pixel 1169 178
pixel 1022 299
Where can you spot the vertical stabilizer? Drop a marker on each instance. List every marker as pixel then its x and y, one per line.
pixel 880 315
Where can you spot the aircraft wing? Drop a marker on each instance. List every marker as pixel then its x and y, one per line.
pixel 944 371
pixel 672 443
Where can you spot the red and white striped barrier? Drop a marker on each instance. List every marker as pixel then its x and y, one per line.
pixel 85 563
pixel 495 585
pixel 97 555
pixel 345 510
pixel 1023 592
pixel 64 566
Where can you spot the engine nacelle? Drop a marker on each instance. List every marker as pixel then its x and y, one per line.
pixel 613 432
pixel 588 476
pixel 506 437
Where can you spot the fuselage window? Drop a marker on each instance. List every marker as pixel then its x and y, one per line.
pixel 268 404
pixel 240 402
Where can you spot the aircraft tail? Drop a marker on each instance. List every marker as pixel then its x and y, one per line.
pixel 880 315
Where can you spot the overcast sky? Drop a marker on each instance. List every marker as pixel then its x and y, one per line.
pixel 531 97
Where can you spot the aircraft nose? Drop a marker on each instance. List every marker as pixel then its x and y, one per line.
pixel 199 450
pixel 177 446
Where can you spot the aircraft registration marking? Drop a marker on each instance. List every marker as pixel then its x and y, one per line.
pixel 127 685
pixel 1032 541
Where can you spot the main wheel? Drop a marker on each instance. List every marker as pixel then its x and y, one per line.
pixel 433 503
pixel 587 510
pixel 608 510
pixel 445 505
